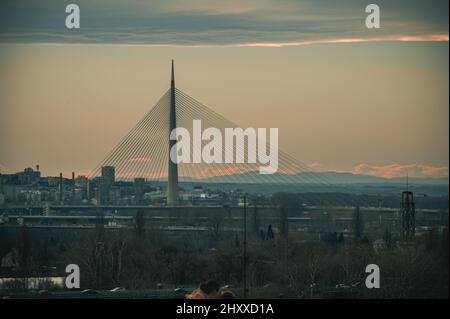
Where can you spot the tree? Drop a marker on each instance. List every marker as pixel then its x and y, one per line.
pixel 287 200
pixel 100 226
pixel 255 220
pixel 387 237
pixel 139 225
pixel 341 238
pixel 313 267
pixel 358 224
pixel 444 241
pixel 270 234
pixel 24 249
pixel 215 223
pixel 237 242
pixel 284 226
pixel 287 203
pixel 119 244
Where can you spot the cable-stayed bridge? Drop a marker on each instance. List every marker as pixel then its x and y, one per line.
pixel 144 151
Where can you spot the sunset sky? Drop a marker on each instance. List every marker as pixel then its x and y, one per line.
pixel 345 98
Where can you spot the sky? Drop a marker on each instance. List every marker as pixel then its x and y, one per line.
pixel 344 97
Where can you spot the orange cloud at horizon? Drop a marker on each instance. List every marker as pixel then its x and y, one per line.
pixel 3 169
pixel 403 38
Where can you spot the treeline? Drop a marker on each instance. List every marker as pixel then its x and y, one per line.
pixel 277 266
pixel 422 201
pixel 283 265
pixel 369 200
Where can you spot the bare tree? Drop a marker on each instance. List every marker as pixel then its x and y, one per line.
pixel 358 224
pixel 215 223
pixel 139 221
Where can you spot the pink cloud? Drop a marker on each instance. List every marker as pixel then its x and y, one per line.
pixel 3 168
pixel 401 170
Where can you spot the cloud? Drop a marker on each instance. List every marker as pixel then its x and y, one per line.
pixel 4 169
pixel 417 38
pixel 212 22
pixel 318 167
pixel 401 170
pixel 388 171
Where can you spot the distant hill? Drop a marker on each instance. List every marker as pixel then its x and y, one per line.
pixel 350 178
pixel 317 177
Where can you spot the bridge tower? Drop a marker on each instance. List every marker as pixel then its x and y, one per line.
pixel 172 186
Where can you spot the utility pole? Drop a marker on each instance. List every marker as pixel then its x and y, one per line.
pixel 245 246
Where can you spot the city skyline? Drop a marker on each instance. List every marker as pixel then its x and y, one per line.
pixel 364 101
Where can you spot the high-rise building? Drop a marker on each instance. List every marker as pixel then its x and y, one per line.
pixel 139 184
pixel 108 175
pixel 81 181
pixel 29 176
pixel 106 182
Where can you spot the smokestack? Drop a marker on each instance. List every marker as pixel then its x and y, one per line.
pixel 37 167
